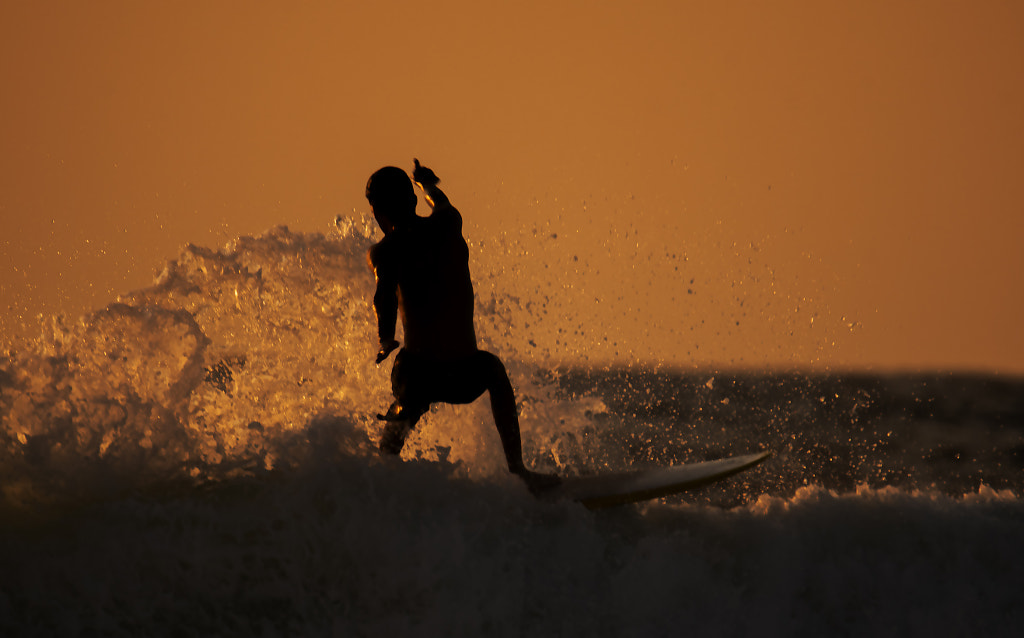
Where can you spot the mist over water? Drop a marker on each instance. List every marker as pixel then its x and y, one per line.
pixel 199 457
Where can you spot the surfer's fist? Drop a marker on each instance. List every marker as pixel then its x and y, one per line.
pixel 386 349
pixel 423 175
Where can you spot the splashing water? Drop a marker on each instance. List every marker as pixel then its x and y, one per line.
pixel 220 368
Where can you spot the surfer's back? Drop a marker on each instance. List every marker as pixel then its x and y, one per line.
pixel 430 262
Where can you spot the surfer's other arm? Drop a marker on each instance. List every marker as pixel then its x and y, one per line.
pixel 427 181
pixel 385 301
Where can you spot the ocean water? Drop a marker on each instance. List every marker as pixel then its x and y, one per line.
pixel 198 458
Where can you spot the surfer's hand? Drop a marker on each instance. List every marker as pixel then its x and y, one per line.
pixel 423 175
pixel 386 349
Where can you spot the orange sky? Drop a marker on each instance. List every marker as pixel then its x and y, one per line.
pixel 855 163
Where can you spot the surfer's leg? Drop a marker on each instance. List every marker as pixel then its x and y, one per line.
pixel 465 380
pixel 408 406
pixel 506 419
pixel 400 423
pixel 503 407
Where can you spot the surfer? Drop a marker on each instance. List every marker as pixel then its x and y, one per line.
pixel 422 271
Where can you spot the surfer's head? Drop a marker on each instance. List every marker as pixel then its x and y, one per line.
pixel 392 197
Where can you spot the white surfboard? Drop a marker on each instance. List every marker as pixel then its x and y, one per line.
pixel 605 490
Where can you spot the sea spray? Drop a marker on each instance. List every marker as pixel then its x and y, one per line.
pixel 205 374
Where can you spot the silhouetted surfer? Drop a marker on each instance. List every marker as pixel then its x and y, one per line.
pixel 422 270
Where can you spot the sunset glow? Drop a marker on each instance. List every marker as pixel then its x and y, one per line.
pixel 696 184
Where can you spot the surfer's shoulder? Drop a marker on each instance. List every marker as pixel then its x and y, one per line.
pixel 380 251
pixel 448 216
pixel 392 249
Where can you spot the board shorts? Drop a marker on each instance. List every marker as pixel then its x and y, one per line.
pixel 417 380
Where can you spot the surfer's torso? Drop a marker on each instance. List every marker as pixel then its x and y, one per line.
pixel 429 262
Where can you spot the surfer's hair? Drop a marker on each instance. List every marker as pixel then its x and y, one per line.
pixel 390 188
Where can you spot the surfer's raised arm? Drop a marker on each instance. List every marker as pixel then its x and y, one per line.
pixel 427 180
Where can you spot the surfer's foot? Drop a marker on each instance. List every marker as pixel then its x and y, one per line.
pixel 393 438
pixel 537 482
